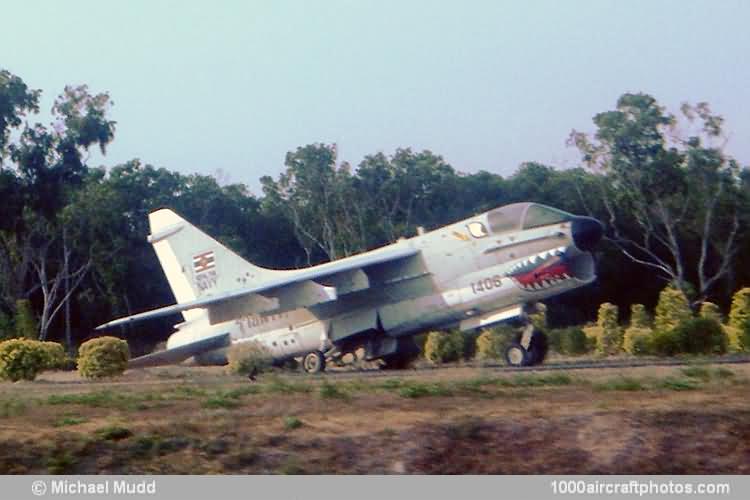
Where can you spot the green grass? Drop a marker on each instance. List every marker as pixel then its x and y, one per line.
pixel 12 407
pixel 98 399
pixel 677 384
pixel 153 444
pixel 391 383
pixel 278 385
pixel 221 400
pixel 476 387
pixel 185 392
pixel 700 372
pixel 246 390
pixel 553 379
pixel 419 390
pixel 620 384
pixel 61 462
pixel 724 373
pixel 705 374
pixel 144 446
pixel 68 421
pixel 144 400
pixel 291 423
pixel 328 390
pixel 104 399
pixel 230 398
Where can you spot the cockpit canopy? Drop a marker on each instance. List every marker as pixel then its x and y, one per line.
pixel 524 216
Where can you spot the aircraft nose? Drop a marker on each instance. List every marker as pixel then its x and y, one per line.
pixel 586 232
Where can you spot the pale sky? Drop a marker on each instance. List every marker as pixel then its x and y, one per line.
pixel 232 86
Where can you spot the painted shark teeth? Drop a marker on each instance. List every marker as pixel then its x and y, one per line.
pixel 531 262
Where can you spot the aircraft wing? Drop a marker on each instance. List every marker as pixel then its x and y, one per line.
pixel 303 288
pixel 181 353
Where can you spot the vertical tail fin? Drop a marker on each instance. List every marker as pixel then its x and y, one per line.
pixel 197 265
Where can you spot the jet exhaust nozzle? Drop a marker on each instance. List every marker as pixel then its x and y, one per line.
pixel 586 232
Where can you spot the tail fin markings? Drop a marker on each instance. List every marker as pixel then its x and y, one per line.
pixel 195 264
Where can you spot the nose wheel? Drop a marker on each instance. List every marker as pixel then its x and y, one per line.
pixel 516 355
pixel 529 348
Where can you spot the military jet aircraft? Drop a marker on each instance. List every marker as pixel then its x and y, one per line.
pixel 471 274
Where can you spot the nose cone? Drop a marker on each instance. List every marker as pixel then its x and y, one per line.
pixel 586 232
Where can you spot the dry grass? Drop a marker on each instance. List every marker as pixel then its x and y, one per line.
pixel 465 420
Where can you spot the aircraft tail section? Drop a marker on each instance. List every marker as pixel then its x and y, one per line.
pixel 197 265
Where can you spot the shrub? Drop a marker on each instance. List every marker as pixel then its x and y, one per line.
pixel 702 336
pixel 55 358
pixel 709 310
pixel 736 341
pixel 639 316
pixel 638 335
pixel 570 340
pixel 672 309
pixel 554 338
pixel 443 347
pixel 637 340
pixel 103 357
pixel 573 341
pixel 491 344
pixel 739 320
pixel 21 359
pixel 26 326
pixel 246 357
pixel 590 332
pixel 739 314
pixel 695 336
pixel 607 332
pixel 666 343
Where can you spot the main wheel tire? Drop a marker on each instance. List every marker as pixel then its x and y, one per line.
pixel 516 355
pixel 538 348
pixel 314 362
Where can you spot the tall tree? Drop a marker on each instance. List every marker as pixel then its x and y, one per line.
pixel 315 194
pixel 47 165
pixel 669 188
pixel 16 99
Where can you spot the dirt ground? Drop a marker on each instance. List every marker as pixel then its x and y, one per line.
pixel 182 420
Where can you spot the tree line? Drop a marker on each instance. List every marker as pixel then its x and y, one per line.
pixel 73 249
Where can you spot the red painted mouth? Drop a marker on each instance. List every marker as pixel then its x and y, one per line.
pixel 541 271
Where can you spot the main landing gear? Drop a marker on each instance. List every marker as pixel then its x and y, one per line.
pixel 529 348
pixel 314 362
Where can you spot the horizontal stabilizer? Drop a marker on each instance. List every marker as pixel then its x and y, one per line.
pixel 181 353
pixel 154 313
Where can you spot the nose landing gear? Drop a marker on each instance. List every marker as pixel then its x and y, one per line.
pixel 529 348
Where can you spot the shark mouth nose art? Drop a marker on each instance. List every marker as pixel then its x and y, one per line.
pixel 542 271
